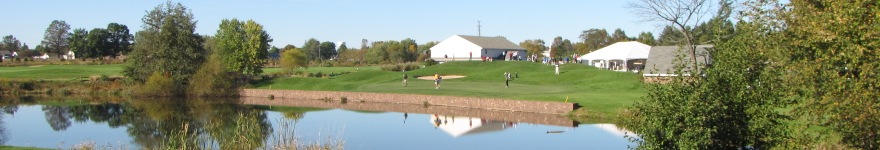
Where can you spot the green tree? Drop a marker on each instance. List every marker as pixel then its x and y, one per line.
pixel 55 39
pixel 619 36
pixel 670 36
pixel 312 49
pixel 168 45
pixel 11 44
pixel 410 48
pixel 833 56
pixel 119 39
pixel 424 50
pixel 735 105
pixel 242 46
pixel 98 43
pixel 595 39
pixel 327 50
pixel 646 38
pixel 534 47
pixel 294 58
pixel 342 48
pixel 79 43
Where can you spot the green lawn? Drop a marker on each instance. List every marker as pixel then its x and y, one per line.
pixel 59 72
pixel 596 89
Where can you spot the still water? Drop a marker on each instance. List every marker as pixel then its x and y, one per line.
pixel 135 124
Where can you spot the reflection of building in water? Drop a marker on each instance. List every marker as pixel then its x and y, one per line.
pixel 613 129
pixel 459 126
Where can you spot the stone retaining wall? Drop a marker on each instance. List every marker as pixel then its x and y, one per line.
pixel 433 100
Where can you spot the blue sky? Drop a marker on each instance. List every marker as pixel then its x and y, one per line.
pixel 295 21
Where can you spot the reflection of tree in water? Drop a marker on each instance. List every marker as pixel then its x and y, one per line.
pixel 58 117
pixel 8 109
pixel 226 123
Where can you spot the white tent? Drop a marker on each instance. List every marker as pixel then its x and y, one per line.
pixel 618 56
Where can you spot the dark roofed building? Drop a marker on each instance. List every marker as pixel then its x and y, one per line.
pixel 661 61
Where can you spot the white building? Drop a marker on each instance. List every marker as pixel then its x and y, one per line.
pixel 464 47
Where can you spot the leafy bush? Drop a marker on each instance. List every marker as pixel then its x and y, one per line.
pixel 430 62
pixel 212 80
pixel 401 66
pixel 157 85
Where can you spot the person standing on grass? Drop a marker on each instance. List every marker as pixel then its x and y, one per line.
pixel 436 81
pixel 506 79
pixel 557 69
pixel 404 78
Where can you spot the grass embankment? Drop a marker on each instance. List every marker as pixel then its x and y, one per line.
pixel 59 72
pixel 61 79
pixel 596 89
pixel 22 148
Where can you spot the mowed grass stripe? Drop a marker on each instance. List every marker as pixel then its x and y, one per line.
pixel 59 72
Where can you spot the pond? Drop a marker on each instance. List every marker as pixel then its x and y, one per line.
pixel 224 124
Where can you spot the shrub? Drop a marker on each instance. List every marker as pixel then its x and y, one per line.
pixel 157 85
pixel 430 62
pixel 401 66
pixel 212 80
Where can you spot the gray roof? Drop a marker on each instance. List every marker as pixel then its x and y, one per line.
pixel 662 59
pixel 492 42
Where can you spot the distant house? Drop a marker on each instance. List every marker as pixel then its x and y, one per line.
pixel 661 63
pixel 5 54
pixel 69 55
pixel 44 56
pixel 465 47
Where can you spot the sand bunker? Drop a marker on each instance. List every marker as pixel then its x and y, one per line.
pixel 444 77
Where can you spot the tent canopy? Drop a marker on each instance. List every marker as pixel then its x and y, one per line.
pixel 620 51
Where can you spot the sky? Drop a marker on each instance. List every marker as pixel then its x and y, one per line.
pixel 349 21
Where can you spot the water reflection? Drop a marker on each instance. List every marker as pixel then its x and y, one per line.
pixel 238 124
pixel 457 126
pixel 153 123
pixel 6 110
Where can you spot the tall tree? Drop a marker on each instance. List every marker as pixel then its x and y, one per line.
pixel 55 39
pixel 409 49
pixel 312 49
pixel 119 39
pixel 647 38
pixel 619 36
pixel 595 39
pixel 327 50
pixel 669 37
pixel 534 47
pixel 98 43
pixel 242 46
pixel 342 48
pixel 682 14
pixel 168 45
pixel 79 43
pixel 10 43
